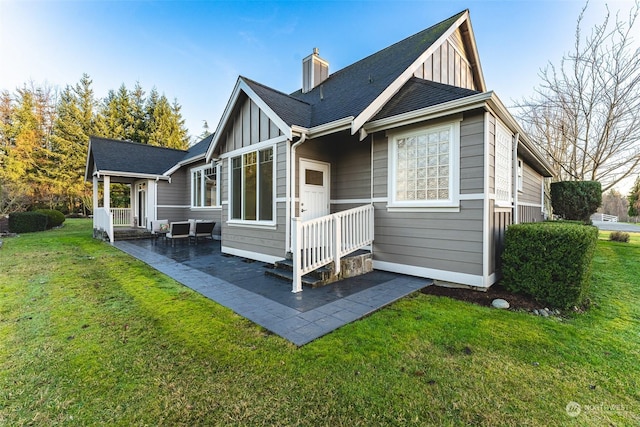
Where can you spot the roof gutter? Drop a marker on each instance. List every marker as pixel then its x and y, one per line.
pixel 184 162
pixel 323 129
pixel 131 175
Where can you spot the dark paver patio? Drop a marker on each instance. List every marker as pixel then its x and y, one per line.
pixel 241 285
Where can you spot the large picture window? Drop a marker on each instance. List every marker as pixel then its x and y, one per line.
pixel 204 186
pixel 252 186
pixel 424 167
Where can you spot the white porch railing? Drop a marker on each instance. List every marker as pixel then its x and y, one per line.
pixel 103 220
pixel 327 239
pixel 604 217
pixel 121 217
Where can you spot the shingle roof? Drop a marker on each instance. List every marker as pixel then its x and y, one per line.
pixel 291 110
pixel 419 93
pixel 133 157
pixel 199 148
pixel 349 91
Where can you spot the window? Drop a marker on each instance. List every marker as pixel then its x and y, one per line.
pixel 520 175
pixel 424 167
pixel 204 186
pixel 503 166
pixel 252 186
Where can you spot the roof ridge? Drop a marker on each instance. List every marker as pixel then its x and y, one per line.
pixel 273 90
pixel 353 64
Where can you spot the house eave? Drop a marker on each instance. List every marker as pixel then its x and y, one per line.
pixel 324 129
pixel 432 112
pixel 121 174
pixel 184 163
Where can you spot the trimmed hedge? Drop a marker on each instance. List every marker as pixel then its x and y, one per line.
pixel 550 261
pixel 27 222
pixel 56 218
pixel 576 200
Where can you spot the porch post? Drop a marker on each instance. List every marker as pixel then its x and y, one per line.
pixel 296 240
pixel 95 193
pixel 107 193
pixel 132 202
pixel 337 242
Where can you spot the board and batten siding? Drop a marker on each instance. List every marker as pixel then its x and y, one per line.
pixel 445 242
pixel 449 64
pixel 249 126
pixel 530 198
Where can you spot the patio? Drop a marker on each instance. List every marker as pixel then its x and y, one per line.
pixel 241 285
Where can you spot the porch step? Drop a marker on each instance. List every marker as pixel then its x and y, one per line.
pixel 354 264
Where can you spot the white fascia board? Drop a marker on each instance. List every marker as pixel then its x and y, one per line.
pixel 242 86
pixel 395 86
pixel 131 175
pixel 447 108
pixel 323 129
pixel 476 57
pixel 183 163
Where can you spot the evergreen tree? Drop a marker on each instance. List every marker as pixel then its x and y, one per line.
pixel 74 124
pixel 138 113
pixel 165 123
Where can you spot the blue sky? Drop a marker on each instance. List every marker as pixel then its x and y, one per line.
pixel 195 50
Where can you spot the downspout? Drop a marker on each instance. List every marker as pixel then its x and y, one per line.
pixel 514 174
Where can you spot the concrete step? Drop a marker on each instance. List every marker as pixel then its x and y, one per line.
pixel 307 280
pixel 322 273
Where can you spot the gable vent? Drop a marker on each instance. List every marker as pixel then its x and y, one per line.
pixel 315 70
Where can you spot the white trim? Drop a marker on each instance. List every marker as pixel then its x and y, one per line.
pixel 203 185
pixel 486 232
pixel 287 193
pixel 502 209
pixel 281 200
pixel 325 128
pixel 131 175
pixel 241 85
pixel 174 206
pixel 184 163
pixel 380 200
pixel 432 273
pixel 205 208
pixel 249 254
pixel 254 147
pixel 429 113
pixel 263 225
pixel 395 86
pixel 473 196
pixel 257 148
pixel 454 169
pixel 506 133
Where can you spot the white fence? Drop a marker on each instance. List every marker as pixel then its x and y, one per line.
pixel 121 217
pixel 327 239
pixel 604 217
pixel 103 220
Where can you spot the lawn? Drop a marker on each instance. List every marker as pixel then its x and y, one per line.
pixel 91 336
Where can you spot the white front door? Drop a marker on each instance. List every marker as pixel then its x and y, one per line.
pixel 314 189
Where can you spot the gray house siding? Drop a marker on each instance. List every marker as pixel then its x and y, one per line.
pixel 250 126
pixel 443 241
pixel 529 199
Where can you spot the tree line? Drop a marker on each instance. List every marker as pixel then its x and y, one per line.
pixel 44 137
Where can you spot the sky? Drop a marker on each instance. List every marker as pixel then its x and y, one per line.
pixel 194 51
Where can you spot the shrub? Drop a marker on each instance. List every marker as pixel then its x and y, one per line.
pixel 619 236
pixel 56 218
pixel 550 261
pixel 576 200
pixel 27 222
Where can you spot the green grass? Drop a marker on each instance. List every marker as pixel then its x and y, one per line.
pixel 91 336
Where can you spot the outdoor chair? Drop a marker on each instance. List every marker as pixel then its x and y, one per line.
pixel 202 229
pixel 178 230
pixel 159 227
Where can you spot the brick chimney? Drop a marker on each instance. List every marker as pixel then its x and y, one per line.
pixel 315 70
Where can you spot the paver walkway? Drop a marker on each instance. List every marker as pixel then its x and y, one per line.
pixel 242 286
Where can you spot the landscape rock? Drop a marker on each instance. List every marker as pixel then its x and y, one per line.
pixel 500 303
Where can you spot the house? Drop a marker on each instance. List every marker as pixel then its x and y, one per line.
pixel 404 153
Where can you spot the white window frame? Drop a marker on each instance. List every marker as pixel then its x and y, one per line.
pixel 200 170
pixel 504 164
pixel 520 175
pixel 450 205
pixel 250 222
